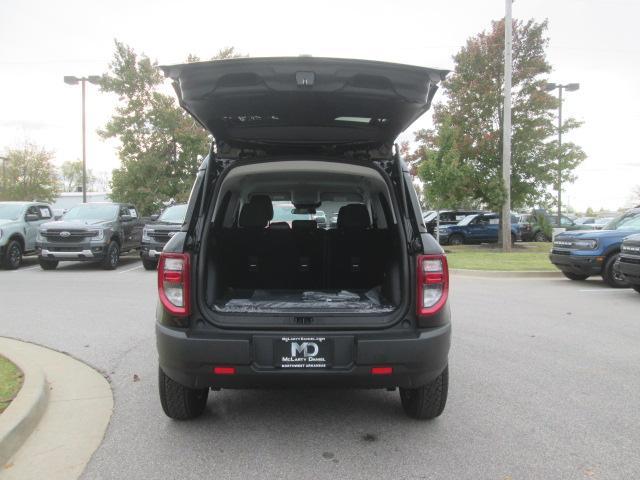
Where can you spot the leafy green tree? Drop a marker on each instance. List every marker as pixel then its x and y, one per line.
pixel 28 174
pixel 161 146
pixel 461 158
pixel 590 212
pixel 71 176
pixel 447 180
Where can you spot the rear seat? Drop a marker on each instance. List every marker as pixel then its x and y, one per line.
pixel 308 254
pixel 245 249
pixel 303 257
pixel 354 250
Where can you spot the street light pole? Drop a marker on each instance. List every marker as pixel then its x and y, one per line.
pixel 84 144
pixel 71 80
pixel 559 154
pixel 569 87
pixel 506 132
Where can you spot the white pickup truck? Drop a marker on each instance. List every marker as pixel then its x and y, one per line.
pixel 19 224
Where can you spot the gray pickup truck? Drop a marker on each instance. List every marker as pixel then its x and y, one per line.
pixel 97 232
pixel 19 224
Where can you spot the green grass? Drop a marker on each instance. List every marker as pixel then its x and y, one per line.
pixel 524 257
pixel 10 382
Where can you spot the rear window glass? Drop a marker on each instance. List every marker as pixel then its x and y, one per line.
pixel 283 212
pixel 326 214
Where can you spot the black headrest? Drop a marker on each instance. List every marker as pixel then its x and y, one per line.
pixel 256 213
pixel 354 215
pixel 304 225
pixel 279 226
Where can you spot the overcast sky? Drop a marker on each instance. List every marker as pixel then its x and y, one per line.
pixel 593 42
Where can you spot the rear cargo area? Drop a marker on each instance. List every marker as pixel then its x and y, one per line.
pixel 304 267
pixel 265 262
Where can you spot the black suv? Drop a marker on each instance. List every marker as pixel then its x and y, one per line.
pixel 628 263
pixel 248 302
pixel 93 232
pixel 155 235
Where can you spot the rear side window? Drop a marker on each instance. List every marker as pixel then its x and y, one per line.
pixel 44 212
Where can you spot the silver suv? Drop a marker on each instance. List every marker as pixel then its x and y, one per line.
pixel 19 224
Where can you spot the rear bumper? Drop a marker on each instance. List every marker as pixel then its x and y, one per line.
pixel 580 265
pixel 416 360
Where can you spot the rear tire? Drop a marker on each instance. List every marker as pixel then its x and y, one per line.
pixel 47 264
pixel 426 402
pixel 12 257
pixel 575 276
pixel 149 264
pixel 180 402
pixel 456 240
pixel 112 256
pixel 609 275
pixel 539 237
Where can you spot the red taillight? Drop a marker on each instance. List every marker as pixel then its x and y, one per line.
pixel 381 370
pixel 173 283
pixel 433 283
pixel 224 370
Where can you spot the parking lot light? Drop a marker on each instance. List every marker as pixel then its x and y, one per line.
pixel 570 87
pixel 72 80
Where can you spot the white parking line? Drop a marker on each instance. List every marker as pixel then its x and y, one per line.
pixel 603 290
pixel 27 268
pixel 131 269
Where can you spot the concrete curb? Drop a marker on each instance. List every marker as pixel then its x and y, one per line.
pixel 19 420
pixel 79 404
pixel 507 274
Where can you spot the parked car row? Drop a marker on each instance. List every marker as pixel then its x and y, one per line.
pixel 94 232
pixel 532 229
pixel 536 226
pixel 612 252
pixel 477 228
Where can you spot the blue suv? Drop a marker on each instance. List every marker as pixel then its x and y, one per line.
pixel 478 228
pixel 581 254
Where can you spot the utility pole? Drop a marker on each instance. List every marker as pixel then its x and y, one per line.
pixel 506 132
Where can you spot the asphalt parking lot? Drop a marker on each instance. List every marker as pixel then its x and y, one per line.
pixel 544 385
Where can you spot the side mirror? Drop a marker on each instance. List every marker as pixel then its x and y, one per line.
pixel 125 218
pixel 154 217
pixel 31 217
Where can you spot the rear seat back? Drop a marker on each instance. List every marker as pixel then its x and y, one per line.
pixel 303 256
pixel 308 254
pixel 354 248
pixel 245 249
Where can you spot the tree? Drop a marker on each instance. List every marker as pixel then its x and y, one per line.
pixel 590 212
pixel 71 176
pixel 28 174
pixel 636 195
pixel 461 158
pixel 161 146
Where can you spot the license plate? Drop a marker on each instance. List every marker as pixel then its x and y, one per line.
pixel 303 352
